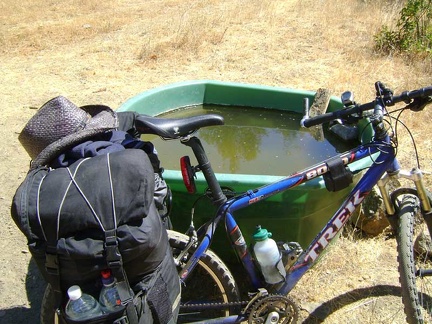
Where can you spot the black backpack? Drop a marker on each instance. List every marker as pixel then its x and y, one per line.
pixel 97 214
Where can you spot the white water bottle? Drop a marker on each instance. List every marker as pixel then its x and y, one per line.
pixel 267 255
pixel 81 306
pixel 109 297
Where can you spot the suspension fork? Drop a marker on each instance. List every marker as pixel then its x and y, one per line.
pixel 416 176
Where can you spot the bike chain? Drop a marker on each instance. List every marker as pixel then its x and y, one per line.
pixel 250 312
pixel 213 305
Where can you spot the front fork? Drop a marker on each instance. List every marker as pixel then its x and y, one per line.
pixel 416 176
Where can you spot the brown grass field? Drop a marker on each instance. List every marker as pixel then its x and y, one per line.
pixel 106 52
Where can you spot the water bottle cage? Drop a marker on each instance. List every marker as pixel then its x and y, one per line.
pixel 290 252
pixel 281 268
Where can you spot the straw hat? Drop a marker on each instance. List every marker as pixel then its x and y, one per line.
pixel 59 124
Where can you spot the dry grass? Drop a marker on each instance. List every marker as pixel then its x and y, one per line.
pixel 106 52
pixel 341 291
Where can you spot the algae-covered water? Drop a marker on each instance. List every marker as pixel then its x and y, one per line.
pixel 252 141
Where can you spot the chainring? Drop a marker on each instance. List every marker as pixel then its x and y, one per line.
pixel 285 307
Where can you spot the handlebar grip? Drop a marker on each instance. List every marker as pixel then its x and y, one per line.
pixel 327 117
pixel 407 96
pixel 317 120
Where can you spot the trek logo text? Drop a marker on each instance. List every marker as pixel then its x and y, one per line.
pixel 334 226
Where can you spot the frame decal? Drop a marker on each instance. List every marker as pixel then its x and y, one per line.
pixel 334 226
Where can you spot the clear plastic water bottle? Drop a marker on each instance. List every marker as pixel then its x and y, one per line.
pixel 109 297
pixel 81 306
pixel 267 255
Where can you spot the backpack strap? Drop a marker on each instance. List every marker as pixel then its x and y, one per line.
pixel 115 262
pixel 53 271
pixel 52 266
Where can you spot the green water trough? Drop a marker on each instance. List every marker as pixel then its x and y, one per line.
pixel 295 215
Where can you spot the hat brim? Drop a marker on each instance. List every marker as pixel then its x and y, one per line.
pixel 102 119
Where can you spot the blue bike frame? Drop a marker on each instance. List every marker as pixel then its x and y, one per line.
pixel 385 161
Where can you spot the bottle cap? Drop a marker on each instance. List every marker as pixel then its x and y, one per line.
pixel 107 279
pixel 261 234
pixel 74 292
pixel 106 273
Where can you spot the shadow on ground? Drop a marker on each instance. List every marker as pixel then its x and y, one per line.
pixel 35 287
pixel 337 303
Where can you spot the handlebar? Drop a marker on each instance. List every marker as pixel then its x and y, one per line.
pixel 415 99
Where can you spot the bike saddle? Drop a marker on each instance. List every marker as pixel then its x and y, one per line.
pixel 175 128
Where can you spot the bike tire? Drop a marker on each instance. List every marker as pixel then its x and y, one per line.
pixel 210 282
pixel 416 289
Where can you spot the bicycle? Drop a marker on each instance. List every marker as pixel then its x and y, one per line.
pixel 270 303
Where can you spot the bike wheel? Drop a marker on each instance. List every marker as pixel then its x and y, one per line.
pixel 210 283
pixel 415 259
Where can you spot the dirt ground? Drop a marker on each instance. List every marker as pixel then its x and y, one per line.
pixel 105 53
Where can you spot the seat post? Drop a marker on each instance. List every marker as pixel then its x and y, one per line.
pixel 204 165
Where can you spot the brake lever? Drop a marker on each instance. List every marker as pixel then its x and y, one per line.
pixel 418 104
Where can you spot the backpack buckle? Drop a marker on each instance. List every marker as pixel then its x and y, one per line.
pixel 113 256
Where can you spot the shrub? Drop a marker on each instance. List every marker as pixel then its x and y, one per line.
pixel 413 32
